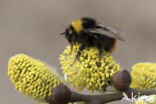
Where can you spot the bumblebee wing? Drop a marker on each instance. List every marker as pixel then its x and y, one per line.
pixel 105 26
pixel 116 33
pixel 112 34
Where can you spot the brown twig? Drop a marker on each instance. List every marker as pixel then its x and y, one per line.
pixel 101 99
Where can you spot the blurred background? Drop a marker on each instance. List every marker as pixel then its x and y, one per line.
pixel 32 27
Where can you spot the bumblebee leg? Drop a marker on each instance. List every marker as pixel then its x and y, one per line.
pixel 73 40
pixel 100 55
pixel 71 49
pixel 79 53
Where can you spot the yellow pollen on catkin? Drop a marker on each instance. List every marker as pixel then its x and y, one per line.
pixel 87 71
pixel 32 77
pixel 77 25
pixel 144 76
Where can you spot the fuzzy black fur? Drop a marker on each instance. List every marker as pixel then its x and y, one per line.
pixel 87 39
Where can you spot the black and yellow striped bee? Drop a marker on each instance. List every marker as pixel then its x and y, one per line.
pixel 90 32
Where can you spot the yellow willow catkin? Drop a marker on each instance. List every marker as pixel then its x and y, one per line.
pixel 87 71
pixel 32 77
pixel 144 76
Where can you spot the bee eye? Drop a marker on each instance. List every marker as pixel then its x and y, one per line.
pixel 70 32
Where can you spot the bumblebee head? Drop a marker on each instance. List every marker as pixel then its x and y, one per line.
pixel 78 25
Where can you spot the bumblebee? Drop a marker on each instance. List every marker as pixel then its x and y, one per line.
pixel 90 32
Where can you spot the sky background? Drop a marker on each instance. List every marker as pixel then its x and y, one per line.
pixel 32 27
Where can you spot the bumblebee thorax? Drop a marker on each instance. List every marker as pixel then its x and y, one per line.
pixel 77 25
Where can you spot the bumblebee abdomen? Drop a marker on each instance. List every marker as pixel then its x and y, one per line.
pixel 104 43
pixel 113 46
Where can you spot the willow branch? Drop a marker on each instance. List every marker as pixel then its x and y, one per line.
pixel 101 99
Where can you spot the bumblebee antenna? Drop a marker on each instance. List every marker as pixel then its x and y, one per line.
pixel 62 24
pixel 62 33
